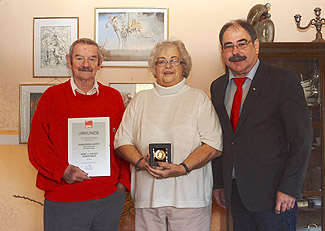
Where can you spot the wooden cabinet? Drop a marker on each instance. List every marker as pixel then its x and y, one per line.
pixel 308 61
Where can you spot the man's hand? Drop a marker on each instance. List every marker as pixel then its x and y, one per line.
pixel 73 174
pixel 219 196
pixel 121 188
pixel 284 202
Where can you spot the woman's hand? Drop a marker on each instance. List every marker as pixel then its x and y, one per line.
pixel 165 170
pixel 142 165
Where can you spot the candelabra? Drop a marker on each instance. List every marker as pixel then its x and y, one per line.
pixel 317 22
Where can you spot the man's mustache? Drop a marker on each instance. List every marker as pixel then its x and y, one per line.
pixel 237 58
pixel 87 69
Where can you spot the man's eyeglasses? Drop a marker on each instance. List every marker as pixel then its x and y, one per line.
pixel 240 46
pixel 172 62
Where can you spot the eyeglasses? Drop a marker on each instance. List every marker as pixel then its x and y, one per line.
pixel 240 46
pixel 172 62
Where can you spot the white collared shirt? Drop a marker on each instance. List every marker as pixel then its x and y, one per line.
pixel 75 88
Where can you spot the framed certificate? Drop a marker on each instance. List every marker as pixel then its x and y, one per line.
pixel 89 145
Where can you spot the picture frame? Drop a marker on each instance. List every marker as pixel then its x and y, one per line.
pixel 129 90
pixel 29 96
pixel 127 35
pixel 160 152
pixel 52 38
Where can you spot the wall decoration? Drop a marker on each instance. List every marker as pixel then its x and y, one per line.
pixel 127 35
pixel 29 96
pixel 52 40
pixel 260 19
pixel 128 90
pixel 318 22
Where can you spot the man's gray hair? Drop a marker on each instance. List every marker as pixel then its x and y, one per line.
pixel 85 41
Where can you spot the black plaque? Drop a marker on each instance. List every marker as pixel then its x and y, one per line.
pixel 160 153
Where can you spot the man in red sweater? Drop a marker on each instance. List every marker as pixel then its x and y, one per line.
pixel 73 200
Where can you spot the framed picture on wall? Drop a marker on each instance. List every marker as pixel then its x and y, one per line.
pixel 29 96
pixel 51 42
pixel 128 90
pixel 127 35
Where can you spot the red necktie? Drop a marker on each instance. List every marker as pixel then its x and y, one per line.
pixel 234 116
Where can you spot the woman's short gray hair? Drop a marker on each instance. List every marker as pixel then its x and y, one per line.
pixel 185 56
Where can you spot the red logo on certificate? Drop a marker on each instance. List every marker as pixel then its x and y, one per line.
pixel 89 124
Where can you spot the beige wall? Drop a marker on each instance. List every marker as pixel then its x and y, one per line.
pixel 197 23
pixel 18 178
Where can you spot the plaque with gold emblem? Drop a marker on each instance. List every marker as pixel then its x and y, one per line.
pixel 160 152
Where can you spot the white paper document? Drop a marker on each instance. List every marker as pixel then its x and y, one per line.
pixel 89 145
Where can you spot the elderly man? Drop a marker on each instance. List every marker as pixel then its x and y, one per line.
pixel 267 135
pixel 74 201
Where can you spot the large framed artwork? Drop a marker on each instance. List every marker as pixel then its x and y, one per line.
pixel 29 96
pixel 52 40
pixel 129 90
pixel 127 35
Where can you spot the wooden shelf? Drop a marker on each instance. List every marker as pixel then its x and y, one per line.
pixel 306 59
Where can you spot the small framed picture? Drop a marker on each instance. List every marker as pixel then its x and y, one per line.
pixel 52 40
pixel 127 35
pixel 29 96
pixel 160 152
pixel 129 90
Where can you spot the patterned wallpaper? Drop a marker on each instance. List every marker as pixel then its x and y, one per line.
pixel 9 107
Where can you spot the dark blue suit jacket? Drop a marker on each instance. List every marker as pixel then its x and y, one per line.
pixel 271 146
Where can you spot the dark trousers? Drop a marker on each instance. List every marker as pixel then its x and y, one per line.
pixel 95 215
pixel 244 220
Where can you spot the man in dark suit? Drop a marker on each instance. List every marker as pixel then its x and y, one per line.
pixel 267 141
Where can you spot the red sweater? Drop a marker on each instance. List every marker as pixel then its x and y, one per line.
pixel 48 142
